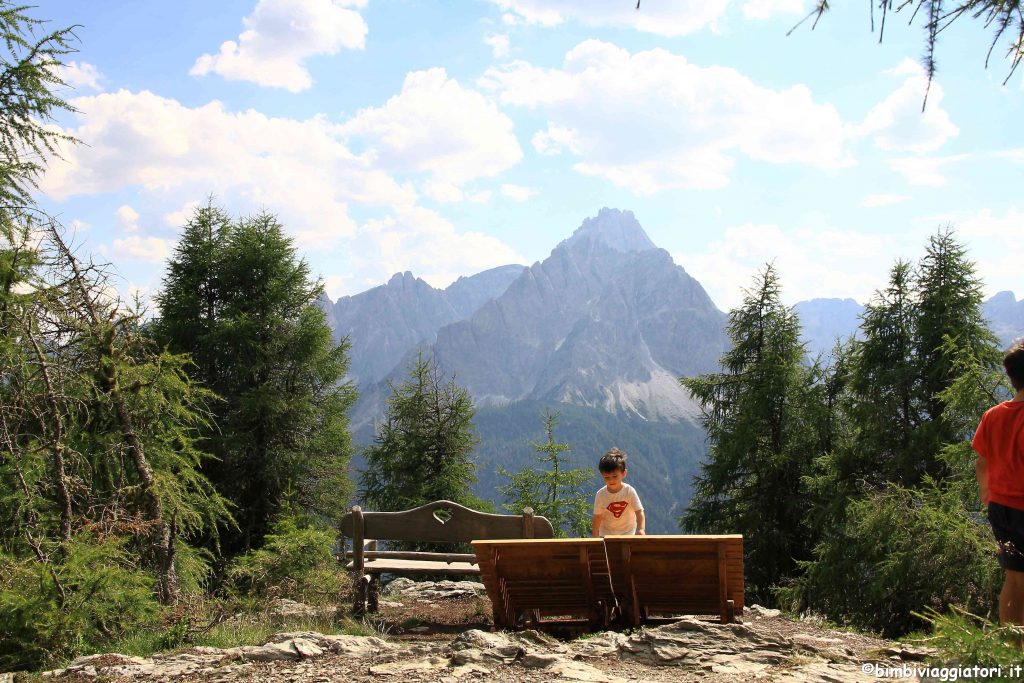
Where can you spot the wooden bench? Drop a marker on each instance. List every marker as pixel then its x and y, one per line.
pixel 677 575
pixel 439 522
pixel 545 582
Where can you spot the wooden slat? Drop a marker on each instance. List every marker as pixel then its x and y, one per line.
pixel 678 574
pixel 418 567
pixel 547 577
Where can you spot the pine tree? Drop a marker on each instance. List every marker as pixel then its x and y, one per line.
pixel 423 450
pixel 896 501
pixel 237 300
pixel 552 489
pixel 758 455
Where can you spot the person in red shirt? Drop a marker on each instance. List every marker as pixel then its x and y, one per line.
pixel 999 442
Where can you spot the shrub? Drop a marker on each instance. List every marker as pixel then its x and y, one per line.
pixel 295 562
pixel 899 551
pixel 90 596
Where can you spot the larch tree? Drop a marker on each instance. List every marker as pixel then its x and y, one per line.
pixel 551 488
pixel 423 449
pixel 758 451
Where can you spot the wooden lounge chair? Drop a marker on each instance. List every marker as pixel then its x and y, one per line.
pixel 673 575
pixel 540 582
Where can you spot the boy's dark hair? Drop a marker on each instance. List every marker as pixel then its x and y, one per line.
pixel 612 461
pixel 1013 363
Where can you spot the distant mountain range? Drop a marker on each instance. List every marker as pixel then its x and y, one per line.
pixel 825 321
pixel 601 331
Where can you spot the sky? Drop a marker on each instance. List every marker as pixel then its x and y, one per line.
pixel 448 137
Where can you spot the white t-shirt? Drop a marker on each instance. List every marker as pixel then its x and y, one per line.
pixel 618 510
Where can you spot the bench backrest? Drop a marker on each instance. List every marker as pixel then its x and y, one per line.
pixel 678 574
pixel 442 522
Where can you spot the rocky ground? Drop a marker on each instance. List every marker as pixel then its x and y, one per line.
pixel 441 632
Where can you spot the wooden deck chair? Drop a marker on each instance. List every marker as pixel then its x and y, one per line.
pixel 538 582
pixel 673 575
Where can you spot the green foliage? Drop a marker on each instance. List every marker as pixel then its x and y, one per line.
pixel 756 413
pixel 896 516
pixel 295 562
pixel 92 593
pixel 236 298
pixel 899 551
pixel 29 67
pixel 552 490
pixel 970 640
pixel 423 449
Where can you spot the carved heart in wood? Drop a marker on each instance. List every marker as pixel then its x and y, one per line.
pixel 443 515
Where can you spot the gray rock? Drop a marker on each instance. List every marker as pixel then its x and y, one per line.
pixel 758 612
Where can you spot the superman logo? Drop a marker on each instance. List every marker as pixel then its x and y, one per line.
pixel 617 508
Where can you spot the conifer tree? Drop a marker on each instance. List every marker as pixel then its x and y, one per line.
pixel 237 300
pixel 900 491
pixel 552 489
pixel 758 454
pixel 423 450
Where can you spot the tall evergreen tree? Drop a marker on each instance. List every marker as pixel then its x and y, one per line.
pixel 895 502
pixel 552 489
pixel 423 449
pixel 950 322
pixel 237 300
pixel 758 455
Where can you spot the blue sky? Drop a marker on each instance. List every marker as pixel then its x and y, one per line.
pixel 445 138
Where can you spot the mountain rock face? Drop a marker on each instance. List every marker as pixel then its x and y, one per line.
pixel 606 321
pixel 825 321
pixel 383 323
pixel 467 294
pixel 600 332
pixel 1006 316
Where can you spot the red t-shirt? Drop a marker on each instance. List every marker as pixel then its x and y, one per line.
pixel 1000 440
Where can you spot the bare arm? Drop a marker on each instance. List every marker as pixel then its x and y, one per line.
pixel 641 526
pixel 595 526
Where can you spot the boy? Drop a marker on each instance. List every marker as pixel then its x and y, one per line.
pixel 617 508
pixel 999 442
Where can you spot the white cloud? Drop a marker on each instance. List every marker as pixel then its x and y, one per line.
pixel 812 262
pixel 127 219
pixel 137 248
pixel 499 45
pixel 180 216
pixel 663 17
pixel 518 192
pixel 280 35
pixel 765 9
pixel 80 75
pixel 437 126
pixel 78 226
pixel 556 138
pixel 898 124
pixel 875 200
pixel 651 120
pixel 300 169
pixel 926 171
pixel 443 192
pixel 424 242
pixel 1014 155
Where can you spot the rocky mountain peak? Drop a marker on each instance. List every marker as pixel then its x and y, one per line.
pixel 614 228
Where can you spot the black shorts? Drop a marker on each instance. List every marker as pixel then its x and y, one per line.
pixel 1008 527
